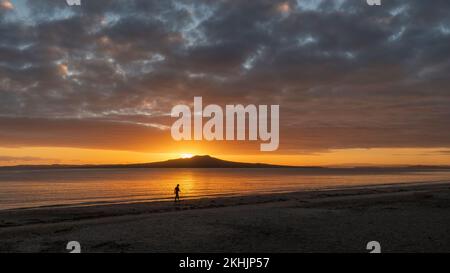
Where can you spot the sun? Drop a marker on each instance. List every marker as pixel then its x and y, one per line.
pixel 186 155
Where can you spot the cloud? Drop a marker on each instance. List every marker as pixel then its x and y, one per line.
pixel 284 7
pixel 346 75
pixel 6 5
pixel 20 159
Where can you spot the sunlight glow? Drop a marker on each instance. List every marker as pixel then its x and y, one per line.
pixel 186 155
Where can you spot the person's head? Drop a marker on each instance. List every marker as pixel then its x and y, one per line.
pixel 178 185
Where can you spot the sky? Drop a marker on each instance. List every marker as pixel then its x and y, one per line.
pixel 356 84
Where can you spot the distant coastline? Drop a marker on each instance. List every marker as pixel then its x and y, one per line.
pixel 206 161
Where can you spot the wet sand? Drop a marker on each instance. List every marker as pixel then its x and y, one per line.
pixel 403 218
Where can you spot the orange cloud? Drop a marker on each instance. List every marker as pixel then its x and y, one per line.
pixel 63 70
pixel 284 8
pixel 6 5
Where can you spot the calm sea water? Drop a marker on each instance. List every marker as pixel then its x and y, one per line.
pixel 33 188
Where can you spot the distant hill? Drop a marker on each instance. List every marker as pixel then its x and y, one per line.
pixel 204 161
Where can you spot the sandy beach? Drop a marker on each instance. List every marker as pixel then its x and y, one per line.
pixel 403 218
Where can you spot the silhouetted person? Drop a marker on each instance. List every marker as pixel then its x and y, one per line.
pixel 177 193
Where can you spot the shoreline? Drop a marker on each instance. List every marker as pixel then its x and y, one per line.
pixel 423 209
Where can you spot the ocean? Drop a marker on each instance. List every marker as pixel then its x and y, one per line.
pixel 55 187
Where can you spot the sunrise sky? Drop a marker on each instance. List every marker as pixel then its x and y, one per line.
pixel 95 84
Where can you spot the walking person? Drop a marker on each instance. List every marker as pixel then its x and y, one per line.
pixel 177 193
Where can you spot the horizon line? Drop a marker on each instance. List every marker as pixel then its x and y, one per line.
pixel 330 166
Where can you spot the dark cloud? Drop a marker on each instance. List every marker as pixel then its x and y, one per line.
pixel 345 74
